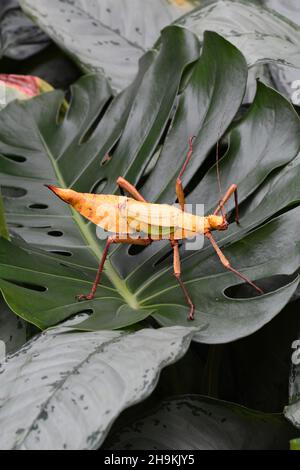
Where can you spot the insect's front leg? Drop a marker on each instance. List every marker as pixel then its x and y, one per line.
pixel 229 192
pixel 227 264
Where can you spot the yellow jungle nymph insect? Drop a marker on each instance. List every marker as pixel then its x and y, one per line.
pixel 133 220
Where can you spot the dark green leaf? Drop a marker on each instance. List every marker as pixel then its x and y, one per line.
pixel 197 422
pixel 3 227
pixel 205 109
pixel 246 151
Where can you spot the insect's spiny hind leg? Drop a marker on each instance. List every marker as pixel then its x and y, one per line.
pixel 177 274
pixel 229 192
pixel 179 188
pixel 227 265
pixel 91 295
pixel 109 242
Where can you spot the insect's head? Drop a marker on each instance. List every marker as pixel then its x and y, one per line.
pixel 217 222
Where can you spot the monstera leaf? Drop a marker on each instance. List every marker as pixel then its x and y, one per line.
pixel 55 253
pixel 114 34
pixel 196 422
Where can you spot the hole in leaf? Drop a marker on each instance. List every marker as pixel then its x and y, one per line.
pixel 38 206
pixel 87 311
pixel 61 112
pixel 136 249
pixel 150 167
pixel 94 125
pixel 13 225
pixel 107 158
pixel 84 313
pixel 156 154
pixel 15 158
pixel 267 284
pixel 55 233
pixel 12 192
pixel 81 315
pixel 28 285
pixel 62 253
pixel 68 97
pixel 98 188
pixel 163 258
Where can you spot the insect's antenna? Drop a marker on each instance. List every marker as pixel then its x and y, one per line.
pixel 219 181
pixel 218 170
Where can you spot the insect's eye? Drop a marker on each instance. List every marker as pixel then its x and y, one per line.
pixel 224 225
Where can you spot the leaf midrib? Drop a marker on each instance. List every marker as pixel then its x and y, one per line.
pixel 113 276
pixel 75 369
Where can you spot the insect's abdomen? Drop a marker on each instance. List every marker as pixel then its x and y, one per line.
pixel 125 216
pixel 101 209
pixel 105 211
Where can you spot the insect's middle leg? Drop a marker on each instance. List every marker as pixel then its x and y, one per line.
pixel 177 273
pixel 229 192
pixel 109 242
